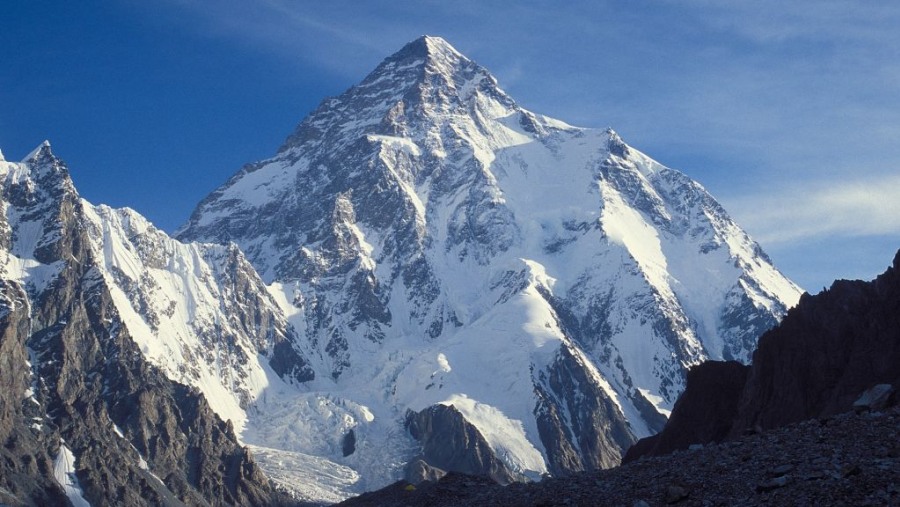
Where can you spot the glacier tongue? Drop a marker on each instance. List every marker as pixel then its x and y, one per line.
pixel 432 243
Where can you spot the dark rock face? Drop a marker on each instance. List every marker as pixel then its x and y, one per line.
pixel 451 443
pixel 25 460
pixel 418 471
pixel 702 414
pixel 137 437
pixel 593 431
pixel 348 446
pixel 252 316
pixel 828 350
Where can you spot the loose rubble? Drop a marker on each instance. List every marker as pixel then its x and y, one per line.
pixel 848 459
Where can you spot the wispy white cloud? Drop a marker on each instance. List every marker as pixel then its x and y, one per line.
pixel 774 21
pixel 799 214
pixel 334 37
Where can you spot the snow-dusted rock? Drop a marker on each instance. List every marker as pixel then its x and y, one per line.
pixel 99 313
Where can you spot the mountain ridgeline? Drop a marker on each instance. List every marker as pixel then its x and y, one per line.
pixel 85 414
pixel 833 352
pixel 426 277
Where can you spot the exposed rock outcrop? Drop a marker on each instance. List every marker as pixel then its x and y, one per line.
pixel 829 350
pixel 451 443
pixel 580 431
pixel 703 413
pixel 25 459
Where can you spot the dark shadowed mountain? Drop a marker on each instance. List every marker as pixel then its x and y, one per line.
pixel 831 349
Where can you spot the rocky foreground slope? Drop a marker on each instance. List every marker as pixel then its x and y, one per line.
pixel 849 459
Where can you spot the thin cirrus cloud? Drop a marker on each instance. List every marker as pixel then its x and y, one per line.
pixel 853 209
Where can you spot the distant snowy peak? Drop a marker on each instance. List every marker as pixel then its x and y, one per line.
pixel 40 165
pixel 199 312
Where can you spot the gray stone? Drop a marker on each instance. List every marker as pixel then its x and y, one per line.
pixel 780 470
pixel 676 493
pixel 771 484
pixel 452 444
pixel 874 398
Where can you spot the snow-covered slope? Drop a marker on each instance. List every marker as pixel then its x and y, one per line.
pixel 104 321
pixel 199 312
pixel 433 243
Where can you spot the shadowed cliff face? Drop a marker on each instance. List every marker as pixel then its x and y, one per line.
pixel 703 413
pixel 826 352
pixel 450 443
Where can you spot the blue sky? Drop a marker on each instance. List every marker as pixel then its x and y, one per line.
pixel 788 112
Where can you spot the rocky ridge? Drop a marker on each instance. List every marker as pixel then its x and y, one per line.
pixel 828 350
pixel 85 417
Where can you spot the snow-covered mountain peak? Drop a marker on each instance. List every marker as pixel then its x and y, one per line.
pixel 42 150
pixel 436 244
pixel 40 177
pixel 418 88
pixel 425 56
pixel 429 48
pixel 40 162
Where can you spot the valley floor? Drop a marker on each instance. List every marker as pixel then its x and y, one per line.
pixel 849 459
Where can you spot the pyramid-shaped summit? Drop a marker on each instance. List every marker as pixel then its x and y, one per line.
pixel 463 272
pixel 426 78
pixel 427 47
